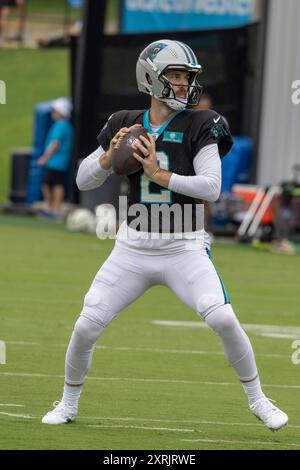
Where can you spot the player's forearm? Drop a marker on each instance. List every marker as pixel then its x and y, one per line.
pixel 162 177
pixel 91 174
pixel 105 161
pixel 199 186
pixel 206 184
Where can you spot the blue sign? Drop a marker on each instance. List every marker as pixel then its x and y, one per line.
pixel 75 3
pixel 140 16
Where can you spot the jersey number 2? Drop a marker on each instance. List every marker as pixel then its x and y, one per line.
pixel 164 196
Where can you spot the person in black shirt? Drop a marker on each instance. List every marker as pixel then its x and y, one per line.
pixel 181 168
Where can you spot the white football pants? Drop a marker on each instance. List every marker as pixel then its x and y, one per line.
pixel 127 273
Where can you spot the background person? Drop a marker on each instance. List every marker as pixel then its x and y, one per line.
pixel 6 9
pixel 57 156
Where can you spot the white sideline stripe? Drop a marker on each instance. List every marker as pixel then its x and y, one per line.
pixel 275 332
pixel 279 336
pixel 159 420
pixel 180 351
pixel 41 300
pixel 147 428
pixel 159 350
pixel 183 421
pixel 23 343
pixel 134 379
pixel 286 332
pixel 16 415
pixel 223 441
pixel 108 426
pixel 150 350
pixel 10 404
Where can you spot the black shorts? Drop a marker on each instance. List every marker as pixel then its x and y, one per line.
pixel 8 3
pixel 54 178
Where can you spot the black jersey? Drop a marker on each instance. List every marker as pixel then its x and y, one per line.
pixel 178 141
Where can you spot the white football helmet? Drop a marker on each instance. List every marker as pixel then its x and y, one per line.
pixel 161 56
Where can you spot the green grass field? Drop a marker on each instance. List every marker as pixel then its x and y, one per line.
pixel 31 76
pixel 150 386
pixel 58 7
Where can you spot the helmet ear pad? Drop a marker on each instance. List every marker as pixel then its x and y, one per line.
pixel 148 78
pixel 166 91
pixel 149 81
pixel 195 94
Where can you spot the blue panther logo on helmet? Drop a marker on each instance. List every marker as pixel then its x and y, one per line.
pixel 152 51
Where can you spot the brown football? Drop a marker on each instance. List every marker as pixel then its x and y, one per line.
pixel 122 160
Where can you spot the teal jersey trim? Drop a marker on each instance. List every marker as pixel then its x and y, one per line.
pixel 146 123
pixel 226 296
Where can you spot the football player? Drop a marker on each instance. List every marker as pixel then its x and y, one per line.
pixel 182 166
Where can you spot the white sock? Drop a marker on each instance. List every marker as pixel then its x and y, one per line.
pixel 71 395
pixel 253 390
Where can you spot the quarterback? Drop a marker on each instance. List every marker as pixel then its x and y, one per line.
pixel 182 165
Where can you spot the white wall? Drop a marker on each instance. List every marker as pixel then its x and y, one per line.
pixel 257 10
pixel 280 126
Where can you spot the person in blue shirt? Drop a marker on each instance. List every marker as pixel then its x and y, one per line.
pixel 57 155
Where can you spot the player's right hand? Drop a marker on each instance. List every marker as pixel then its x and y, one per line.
pixel 105 159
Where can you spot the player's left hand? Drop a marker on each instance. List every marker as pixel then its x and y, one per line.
pixel 148 148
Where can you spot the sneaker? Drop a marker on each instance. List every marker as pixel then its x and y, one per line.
pixel 15 37
pixel 283 246
pixel 269 414
pixel 61 414
pixel 58 217
pixel 42 214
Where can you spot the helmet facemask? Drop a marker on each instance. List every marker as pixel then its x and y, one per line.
pixel 168 95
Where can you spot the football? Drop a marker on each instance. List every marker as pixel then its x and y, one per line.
pixel 122 160
pixel 81 220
